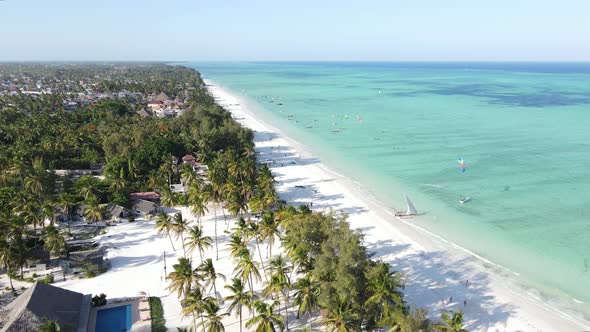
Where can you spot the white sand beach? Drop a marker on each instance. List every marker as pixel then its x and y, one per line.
pixel 435 271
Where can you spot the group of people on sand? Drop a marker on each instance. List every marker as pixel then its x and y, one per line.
pixel 451 298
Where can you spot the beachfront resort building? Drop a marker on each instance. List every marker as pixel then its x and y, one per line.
pixel 73 311
pixel 145 203
pixel 201 169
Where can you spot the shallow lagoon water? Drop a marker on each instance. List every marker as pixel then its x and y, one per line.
pixel 522 130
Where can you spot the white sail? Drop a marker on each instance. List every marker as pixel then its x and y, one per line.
pixel 411 209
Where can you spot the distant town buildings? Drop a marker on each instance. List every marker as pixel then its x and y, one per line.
pixel 83 93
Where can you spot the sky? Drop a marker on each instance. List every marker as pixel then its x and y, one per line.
pixel 302 30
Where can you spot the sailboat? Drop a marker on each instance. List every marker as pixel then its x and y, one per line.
pixel 410 209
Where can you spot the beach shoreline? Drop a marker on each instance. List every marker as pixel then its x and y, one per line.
pixel 439 274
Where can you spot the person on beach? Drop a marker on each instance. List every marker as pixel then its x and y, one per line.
pixel 451 299
pixel 464 303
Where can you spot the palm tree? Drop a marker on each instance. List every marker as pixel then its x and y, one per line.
pixel 197 203
pixel 154 181
pixel 280 268
pixel 278 287
pixel 48 211
pixel 412 321
pixel 256 203
pixel 213 319
pixel 19 254
pixel 209 274
pixel 240 298
pixel 93 212
pixel 285 215
pixel 302 262
pixel 190 177
pixel 7 258
pixel 237 246
pixel 306 297
pixel 164 225
pixel 265 320
pixel 247 268
pixel 211 193
pixel 252 230
pixel 34 184
pixel 18 169
pixel 269 230
pixel 168 198
pixel 193 303
pixel 236 201
pixel 118 182
pixel 340 317
pixel 269 198
pixel 383 287
pixel 243 229
pixel 54 241
pixel 67 203
pixel 452 321
pixel 180 226
pixel 88 188
pixel 31 213
pixel 168 167
pixel 132 169
pixel 196 240
pixel 182 278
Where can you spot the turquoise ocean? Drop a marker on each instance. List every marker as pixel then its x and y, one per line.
pixel 522 129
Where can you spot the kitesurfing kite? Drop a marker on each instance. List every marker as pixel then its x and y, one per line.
pixel 463 166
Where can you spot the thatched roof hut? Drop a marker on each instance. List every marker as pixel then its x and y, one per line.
pixel 43 302
pixel 116 211
pixel 93 256
pixel 145 207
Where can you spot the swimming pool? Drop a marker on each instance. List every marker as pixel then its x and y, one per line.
pixel 114 319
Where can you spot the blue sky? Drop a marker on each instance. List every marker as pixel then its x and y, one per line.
pixel 369 30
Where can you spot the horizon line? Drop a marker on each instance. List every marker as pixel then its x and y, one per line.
pixel 300 61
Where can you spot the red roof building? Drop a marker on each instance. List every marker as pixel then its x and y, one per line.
pixel 188 158
pixel 151 196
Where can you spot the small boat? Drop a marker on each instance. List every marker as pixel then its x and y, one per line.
pixel 410 209
pixel 465 200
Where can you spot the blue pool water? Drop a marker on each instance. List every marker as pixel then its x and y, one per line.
pixel 114 319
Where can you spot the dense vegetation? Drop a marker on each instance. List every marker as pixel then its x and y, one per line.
pixel 324 269
pixel 157 314
pixel 37 136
